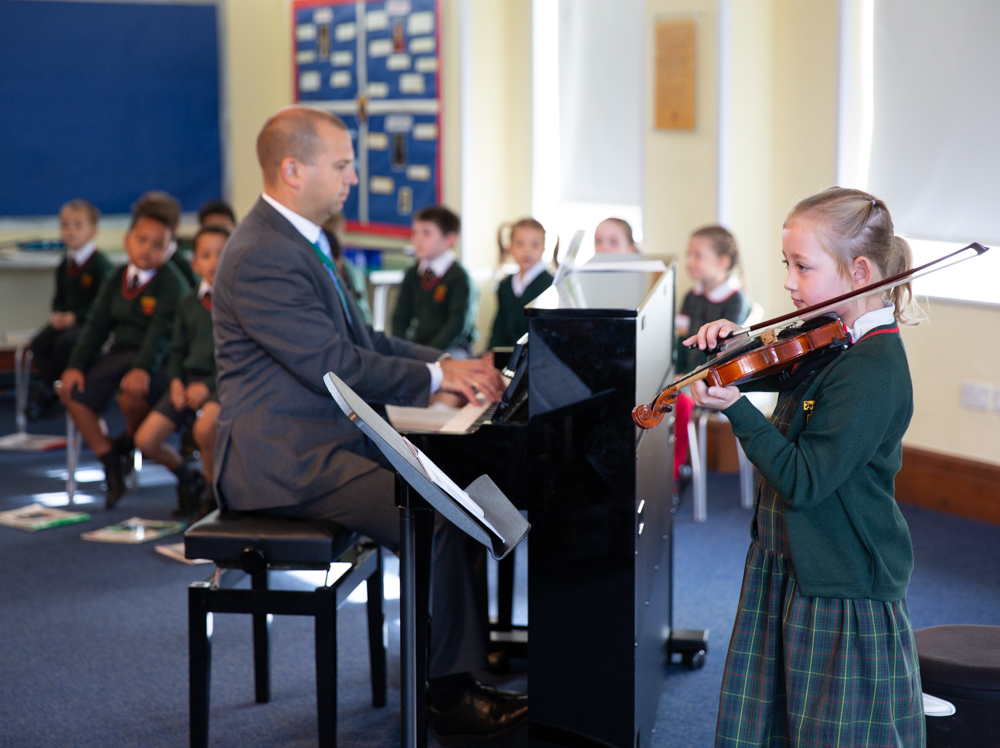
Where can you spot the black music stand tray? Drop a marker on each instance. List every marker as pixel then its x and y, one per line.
pixel 418 497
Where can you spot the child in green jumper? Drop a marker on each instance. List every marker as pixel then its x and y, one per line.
pixel 191 401
pixel 437 298
pixel 78 279
pixel 527 243
pixel 137 305
pixel 822 651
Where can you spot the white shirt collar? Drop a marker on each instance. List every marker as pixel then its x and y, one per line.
pixel 519 284
pixel 439 265
pixel 171 250
pixel 145 276
pixel 304 226
pixel 721 292
pixel 870 320
pixel 81 255
pixel 204 288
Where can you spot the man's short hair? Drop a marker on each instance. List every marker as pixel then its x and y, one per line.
pixel 83 206
pixel 440 216
pixel 292 132
pixel 159 206
pixel 208 230
pixel 216 207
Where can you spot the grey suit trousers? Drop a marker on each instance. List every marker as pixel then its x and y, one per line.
pixel 459 603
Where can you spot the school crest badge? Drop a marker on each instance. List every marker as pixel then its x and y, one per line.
pixel 440 292
pixel 86 280
pixel 148 305
pixel 808 406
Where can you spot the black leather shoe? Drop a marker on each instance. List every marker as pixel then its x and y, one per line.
pixel 190 487
pixel 115 478
pixel 480 713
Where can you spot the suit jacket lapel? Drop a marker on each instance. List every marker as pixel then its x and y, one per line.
pixel 281 224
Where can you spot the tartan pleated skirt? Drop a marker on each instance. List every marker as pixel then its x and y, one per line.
pixel 810 671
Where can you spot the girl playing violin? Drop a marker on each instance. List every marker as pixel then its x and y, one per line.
pixel 822 652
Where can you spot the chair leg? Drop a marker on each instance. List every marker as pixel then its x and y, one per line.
pixel 261 645
pixel 746 477
pixel 376 646
pixel 699 502
pixel 72 458
pixel 326 666
pixel 505 593
pixel 199 661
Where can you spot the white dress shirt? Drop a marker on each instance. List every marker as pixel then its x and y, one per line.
pixel 870 320
pixel 81 255
pixel 519 284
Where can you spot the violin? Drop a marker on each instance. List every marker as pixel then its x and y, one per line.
pixel 782 342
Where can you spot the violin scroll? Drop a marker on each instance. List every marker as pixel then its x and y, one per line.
pixel 648 415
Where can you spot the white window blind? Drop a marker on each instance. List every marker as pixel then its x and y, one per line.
pixel 600 100
pixel 935 148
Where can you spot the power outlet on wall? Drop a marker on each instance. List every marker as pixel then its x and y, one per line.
pixel 976 395
pixel 996 399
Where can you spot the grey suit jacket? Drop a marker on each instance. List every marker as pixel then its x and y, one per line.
pixel 279 327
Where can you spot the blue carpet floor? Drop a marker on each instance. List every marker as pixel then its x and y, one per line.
pixel 93 637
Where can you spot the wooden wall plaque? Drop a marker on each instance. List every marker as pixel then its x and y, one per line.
pixel 676 74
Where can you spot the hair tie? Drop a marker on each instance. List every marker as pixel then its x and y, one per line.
pixel 873 203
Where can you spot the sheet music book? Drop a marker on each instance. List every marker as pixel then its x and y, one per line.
pixel 480 510
pixel 39 517
pixel 134 531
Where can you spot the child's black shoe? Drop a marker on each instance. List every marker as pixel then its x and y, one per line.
pixel 190 487
pixel 114 477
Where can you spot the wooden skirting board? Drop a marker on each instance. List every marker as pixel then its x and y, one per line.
pixel 953 485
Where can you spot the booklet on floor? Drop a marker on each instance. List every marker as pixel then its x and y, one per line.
pixel 135 530
pixel 40 517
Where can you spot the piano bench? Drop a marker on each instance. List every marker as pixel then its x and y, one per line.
pixel 256 543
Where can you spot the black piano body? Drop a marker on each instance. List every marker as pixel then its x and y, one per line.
pixel 599 494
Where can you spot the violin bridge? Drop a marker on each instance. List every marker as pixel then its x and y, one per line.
pixel 769 336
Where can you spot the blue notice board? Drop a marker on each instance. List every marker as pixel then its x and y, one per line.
pixel 376 64
pixel 105 101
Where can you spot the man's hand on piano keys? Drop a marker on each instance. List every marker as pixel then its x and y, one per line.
pixel 473 379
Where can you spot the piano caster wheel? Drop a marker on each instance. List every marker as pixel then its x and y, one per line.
pixel 694 660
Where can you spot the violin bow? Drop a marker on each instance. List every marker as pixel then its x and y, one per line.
pixel 816 310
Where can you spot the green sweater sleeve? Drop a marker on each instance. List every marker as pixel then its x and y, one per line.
pixel 59 301
pixel 178 347
pixel 403 313
pixel 156 341
pixel 852 412
pixel 97 328
pixel 461 303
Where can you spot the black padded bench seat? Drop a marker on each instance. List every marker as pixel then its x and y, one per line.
pixel 258 543
pixel 961 664
pixel 284 541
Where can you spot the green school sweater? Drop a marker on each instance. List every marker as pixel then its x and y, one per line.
pixel 443 316
pixel 702 311
pixel 143 320
pixel 181 264
pixel 511 323
pixel 192 351
pixel 77 289
pixel 835 471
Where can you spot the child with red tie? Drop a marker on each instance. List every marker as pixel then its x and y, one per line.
pixel 136 305
pixel 437 298
pixel 191 401
pixel 78 279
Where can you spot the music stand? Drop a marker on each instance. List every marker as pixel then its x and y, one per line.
pixel 490 518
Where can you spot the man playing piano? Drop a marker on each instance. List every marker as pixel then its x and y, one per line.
pixel 282 320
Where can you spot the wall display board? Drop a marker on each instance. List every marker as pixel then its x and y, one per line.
pixel 676 74
pixel 105 101
pixel 376 65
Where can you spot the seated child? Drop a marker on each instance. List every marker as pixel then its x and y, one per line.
pixel 437 298
pixel 614 236
pixel 217 213
pixel 137 305
pixel 78 279
pixel 527 243
pixel 191 401
pixel 167 205
pixel 713 262
pixel 355 281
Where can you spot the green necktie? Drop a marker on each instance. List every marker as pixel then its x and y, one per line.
pixel 331 268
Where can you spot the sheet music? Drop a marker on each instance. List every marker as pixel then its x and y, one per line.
pixel 440 479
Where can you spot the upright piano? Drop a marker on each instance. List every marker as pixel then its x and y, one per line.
pixel 599 496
